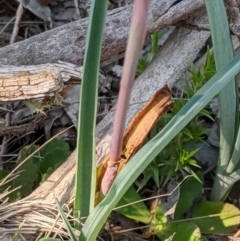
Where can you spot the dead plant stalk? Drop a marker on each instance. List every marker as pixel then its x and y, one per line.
pixel 134 46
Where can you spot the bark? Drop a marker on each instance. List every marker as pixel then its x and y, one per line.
pixel 67 43
pixel 35 81
pixel 170 63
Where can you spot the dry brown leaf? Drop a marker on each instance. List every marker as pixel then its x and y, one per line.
pixel 138 129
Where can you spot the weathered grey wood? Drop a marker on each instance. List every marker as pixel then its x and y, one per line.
pixel 28 82
pixel 167 67
pixel 35 81
pixel 66 43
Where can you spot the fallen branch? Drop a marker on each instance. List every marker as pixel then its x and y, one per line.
pixel 35 81
pixel 67 43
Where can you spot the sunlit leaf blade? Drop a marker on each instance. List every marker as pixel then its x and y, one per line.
pixel 216 217
pixel 137 211
pixel 226 181
pixel 228 104
pixel 150 150
pixel 236 153
pixel 159 218
pixel 86 162
pixel 180 231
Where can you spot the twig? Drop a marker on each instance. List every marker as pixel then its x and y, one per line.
pixel 8 114
pixel 17 23
pixel 77 8
pixel 8 23
pixel 22 22
pixel 17 130
pixel 198 27
pixel 5 139
pixel 9 5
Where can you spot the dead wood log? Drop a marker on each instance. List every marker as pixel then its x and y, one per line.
pixel 35 81
pixel 28 82
pixel 67 43
pixel 170 63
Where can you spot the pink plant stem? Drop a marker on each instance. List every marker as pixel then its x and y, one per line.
pixel 135 43
pixel 134 46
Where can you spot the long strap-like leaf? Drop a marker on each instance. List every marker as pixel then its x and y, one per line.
pixel 86 163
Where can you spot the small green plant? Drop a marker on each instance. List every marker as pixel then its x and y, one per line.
pixel 37 169
pixel 201 76
pixel 145 60
pixel 177 155
pixel 142 65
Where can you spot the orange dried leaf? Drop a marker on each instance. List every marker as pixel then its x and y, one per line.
pixel 138 129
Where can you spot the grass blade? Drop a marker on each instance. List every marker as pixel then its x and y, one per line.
pixel 228 105
pixel 86 163
pixel 150 150
pixel 67 224
pixel 223 53
pixel 236 153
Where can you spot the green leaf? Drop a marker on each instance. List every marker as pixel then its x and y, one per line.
pixel 3 174
pixel 29 177
pixel 228 96
pixel 206 113
pixel 226 182
pixel 190 171
pixel 142 65
pixel 159 218
pixel 56 144
pixel 223 224
pixel 47 174
pixel 44 161
pixel 189 191
pixel 150 150
pixel 156 176
pixel 54 154
pixel 86 156
pixel 155 37
pixel 169 175
pixel 234 161
pixel 137 211
pixel 5 186
pixel 179 231
pixel 204 238
pixel 146 177
pixel 67 224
